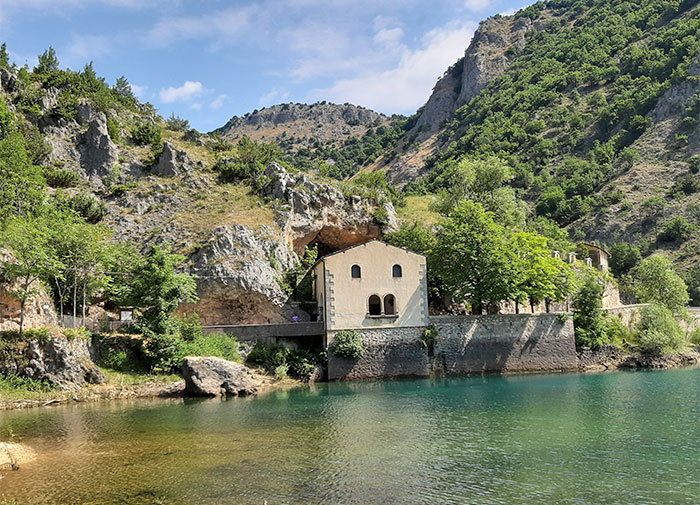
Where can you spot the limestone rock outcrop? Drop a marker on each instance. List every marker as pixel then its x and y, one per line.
pixel 172 161
pixel 209 376
pixel 321 213
pixel 64 362
pixel 98 152
pixel 239 275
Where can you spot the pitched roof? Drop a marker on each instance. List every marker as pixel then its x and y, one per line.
pixel 363 244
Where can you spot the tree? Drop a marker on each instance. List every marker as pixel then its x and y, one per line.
pixel 472 258
pixel 623 258
pixel 657 282
pixel 538 276
pixel 48 62
pixel 658 331
pixel 4 57
pixel 29 239
pixel 692 279
pixel 158 288
pixel 589 327
pixel 21 183
pixel 176 123
pixel 123 88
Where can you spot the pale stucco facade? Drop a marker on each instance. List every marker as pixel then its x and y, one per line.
pixel 371 285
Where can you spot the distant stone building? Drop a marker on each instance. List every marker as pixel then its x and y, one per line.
pixel 599 256
pixel 371 285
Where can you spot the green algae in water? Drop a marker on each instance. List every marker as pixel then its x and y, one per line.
pixel 622 438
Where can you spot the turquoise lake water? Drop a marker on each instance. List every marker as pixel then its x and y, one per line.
pixel 618 438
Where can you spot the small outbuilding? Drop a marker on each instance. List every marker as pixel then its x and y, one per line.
pixel 599 256
pixel 371 285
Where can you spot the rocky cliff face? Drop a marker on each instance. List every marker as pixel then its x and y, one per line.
pixel 241 271
pixel 491 51
pixel 293 122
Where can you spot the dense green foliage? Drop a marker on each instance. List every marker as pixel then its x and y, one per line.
pixel 347 344
pixel 589 320
pixel 573 100
pixel 658 283
pixel 277 360
pixel 248 162
pixel 658 330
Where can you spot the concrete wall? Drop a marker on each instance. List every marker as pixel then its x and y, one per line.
pixel 347 299
pixel 291 335
pixel 464 345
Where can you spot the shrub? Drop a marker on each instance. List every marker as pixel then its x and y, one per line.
pixel 116 359
pixel 694 164
pixel 658 331
pixel 347 344
pixel 90 208
pixel 380 216
pixel 588 315
pixel 616 333
pixel 280 371
pixel 217 345
pixel 268 356
pixel 190 327
pixel 694 336
pixel 686 185
pixel 164 352
pixel 427 338
pixel 176 123
pixel 677 229
pixel 147 133
pixel 302 362
pixel 58 178
pixel 113 129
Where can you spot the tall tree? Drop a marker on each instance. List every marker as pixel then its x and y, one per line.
pixel 657 282
pixel 472 257
pixel 4 57
pixel 158 288
pixel 29 240
pixel 123 88
pixel 48 62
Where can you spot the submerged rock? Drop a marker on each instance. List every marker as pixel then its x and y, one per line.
pixel 209 376
pixel 13 456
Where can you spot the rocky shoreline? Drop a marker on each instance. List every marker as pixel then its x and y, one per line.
pixel 609 358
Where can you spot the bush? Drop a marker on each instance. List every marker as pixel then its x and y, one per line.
pixel 677 229
pixel 616 333
pixel 589 328
pixel 217 345
pixel 190 327
pixel 113 129
pixel 347 344
pixel 380 216
pixel 303 362
pixel 694 336
pixel 58 178
pixel 115 359
pixel 164 352
pixel 147 134
pixel 176 123
pixel 268 356
pixel 694 164
pixel 658 331
pixel 88 207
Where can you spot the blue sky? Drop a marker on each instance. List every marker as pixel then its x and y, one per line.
pixel 207 60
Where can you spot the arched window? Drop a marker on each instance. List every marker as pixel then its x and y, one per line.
pixel 396 271
pixel 356 272
pixel 390 305
pixel 375 306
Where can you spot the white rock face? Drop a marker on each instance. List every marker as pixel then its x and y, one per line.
pixel 209 376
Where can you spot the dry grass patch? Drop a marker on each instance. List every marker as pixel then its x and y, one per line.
pixel 417 208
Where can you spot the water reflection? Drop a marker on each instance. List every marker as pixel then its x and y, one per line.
pixel 572 439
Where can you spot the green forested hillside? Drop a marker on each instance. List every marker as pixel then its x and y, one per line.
pixel 597 117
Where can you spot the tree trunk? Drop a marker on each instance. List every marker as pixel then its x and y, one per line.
pixel 546 304
pixel 75 299
pixel 84 289
pixel 517 307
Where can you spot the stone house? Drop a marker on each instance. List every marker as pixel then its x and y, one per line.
pixel 371 285
pixel 599 257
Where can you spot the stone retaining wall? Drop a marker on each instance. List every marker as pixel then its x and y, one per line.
pixel 464 345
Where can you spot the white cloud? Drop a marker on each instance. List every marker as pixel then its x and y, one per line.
pixel 85 48
pixel 405 84
pixel 478 5
pixel 219 26
pixel 274 96
pixel 218 102
pixel 138 91
pixel 188 91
